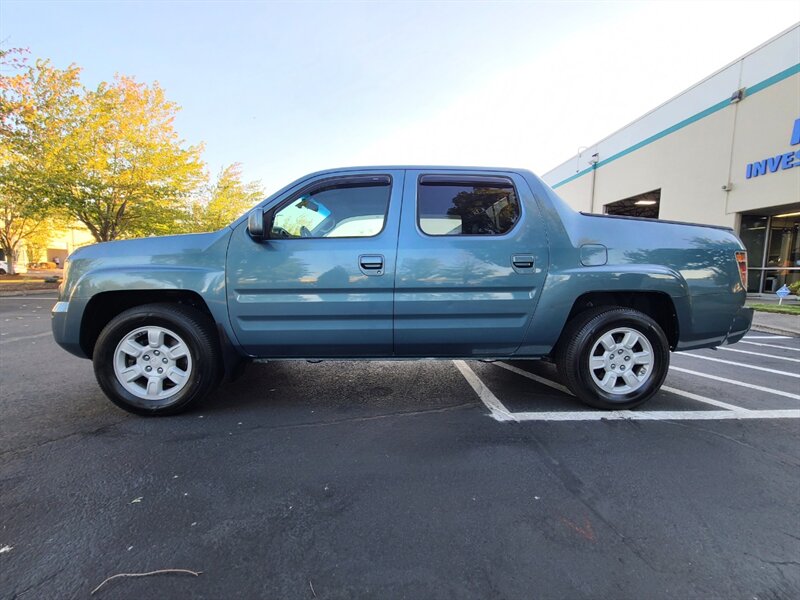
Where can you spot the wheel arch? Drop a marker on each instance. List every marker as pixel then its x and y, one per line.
pixel 659 306
pixel 104 306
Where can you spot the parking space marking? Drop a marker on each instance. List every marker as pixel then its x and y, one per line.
pixel 771 346
pixel 496 408
pixel 752 386
pixel 704 399
pixel 536 378
pixel 666 388
pixel 730 411
pixel 657 415
pixel 766 337
pixel 744 365
pixel 26 337
pixel 797 360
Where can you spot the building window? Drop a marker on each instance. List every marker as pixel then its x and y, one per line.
pixel 753 233
pixel 643 205
pixel 773 250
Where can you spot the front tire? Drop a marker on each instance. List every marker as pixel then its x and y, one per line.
pixel 157 359
pixel 613 358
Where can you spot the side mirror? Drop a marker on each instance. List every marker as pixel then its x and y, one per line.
pixel 255 224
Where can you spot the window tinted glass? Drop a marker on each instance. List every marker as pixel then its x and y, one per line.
pixel 753 233
pixel 472 208
pixel 336 210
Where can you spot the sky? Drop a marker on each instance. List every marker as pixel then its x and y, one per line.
pixel 287 88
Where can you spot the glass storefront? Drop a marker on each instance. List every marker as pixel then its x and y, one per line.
pixel 773 250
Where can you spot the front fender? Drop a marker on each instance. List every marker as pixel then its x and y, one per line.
pixel 208 283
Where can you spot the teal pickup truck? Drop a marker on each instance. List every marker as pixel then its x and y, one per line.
pixel 404 263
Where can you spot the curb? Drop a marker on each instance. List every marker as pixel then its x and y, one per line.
pixel 775 330
pixel 12 293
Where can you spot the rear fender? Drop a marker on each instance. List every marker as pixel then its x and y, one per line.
pixel 562 288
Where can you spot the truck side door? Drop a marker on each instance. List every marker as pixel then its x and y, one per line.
pixel 472 259
pixel 321 286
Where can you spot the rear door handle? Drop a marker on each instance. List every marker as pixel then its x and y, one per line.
pixel 523 261
pixel 371 264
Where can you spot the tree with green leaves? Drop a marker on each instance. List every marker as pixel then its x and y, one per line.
pixel 228 198
pixel 123 171
pixel 109 158
pixel 34 102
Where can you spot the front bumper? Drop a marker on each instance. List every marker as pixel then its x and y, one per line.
pixel 740 326
pixel 65 335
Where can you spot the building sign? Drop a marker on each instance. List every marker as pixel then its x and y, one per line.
pixel 779 162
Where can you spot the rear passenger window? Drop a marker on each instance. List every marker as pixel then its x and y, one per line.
pixel 448 205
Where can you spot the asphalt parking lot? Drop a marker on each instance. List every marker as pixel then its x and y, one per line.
pixel 401 480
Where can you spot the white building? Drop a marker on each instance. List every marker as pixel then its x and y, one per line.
pixel 726 152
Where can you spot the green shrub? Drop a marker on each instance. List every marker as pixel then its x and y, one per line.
pixel 795 288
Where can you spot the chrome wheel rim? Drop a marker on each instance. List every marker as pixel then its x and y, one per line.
pixel 152 363
pixel 621 361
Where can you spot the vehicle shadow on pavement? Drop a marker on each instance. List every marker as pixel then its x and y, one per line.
pixel 343 388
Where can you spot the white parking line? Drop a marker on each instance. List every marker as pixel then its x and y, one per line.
pixel 735 382
pixel 743 365
pixel 766 337
pixel 671 390
pixel 657 415
pixel 703 399
pixel 500 413
pixel 797 360
pixel 28 297
pixel 496 408
pixel 536 378
pixel 26 337
pixel 770 346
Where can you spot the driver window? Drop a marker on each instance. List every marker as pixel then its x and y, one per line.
pixel 343 209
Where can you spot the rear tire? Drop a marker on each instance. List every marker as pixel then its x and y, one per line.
pixel 613 358
pixel 157 359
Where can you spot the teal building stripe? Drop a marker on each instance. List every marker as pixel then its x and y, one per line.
pixel 754 89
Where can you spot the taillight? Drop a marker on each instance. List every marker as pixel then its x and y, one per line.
pixel 741 260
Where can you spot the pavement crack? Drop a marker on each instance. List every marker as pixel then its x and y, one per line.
pixel 368 418
pixel 775 563
pixel 16 451
pixel 37 584
pixel 576 487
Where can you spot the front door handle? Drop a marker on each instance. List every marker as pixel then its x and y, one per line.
pixel 371 264
pixel 523 261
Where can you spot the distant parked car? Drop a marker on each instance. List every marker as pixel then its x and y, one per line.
pixel 18 267
pixel 44 265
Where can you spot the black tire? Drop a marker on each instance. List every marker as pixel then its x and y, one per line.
pixel 578 341
pixel 191 327
pixel 2 271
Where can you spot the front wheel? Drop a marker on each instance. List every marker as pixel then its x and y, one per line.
pixel 157 359
pixel 614 358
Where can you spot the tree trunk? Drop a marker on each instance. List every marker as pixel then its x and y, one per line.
pixel 11 256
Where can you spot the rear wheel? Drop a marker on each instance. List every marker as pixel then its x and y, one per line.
pixel 157 359
pixel 613 358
